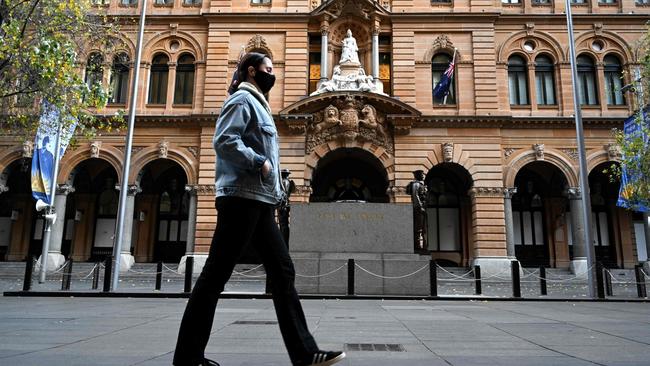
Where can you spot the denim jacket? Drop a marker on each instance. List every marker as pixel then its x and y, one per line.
pixel 244 139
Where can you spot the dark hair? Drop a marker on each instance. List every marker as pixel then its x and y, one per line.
pixel 254 59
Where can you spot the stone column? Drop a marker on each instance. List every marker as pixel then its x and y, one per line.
pixel 488 245
pixel 375 54
pixel 171 85
pixel 510 232
pixel 54 257
pixel 324 30
pixel 579 261
pixel 191 227
pixel 126 257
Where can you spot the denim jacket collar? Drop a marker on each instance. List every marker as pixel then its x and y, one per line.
pixel 253 90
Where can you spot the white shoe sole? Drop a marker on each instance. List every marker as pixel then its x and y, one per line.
pixel 332 361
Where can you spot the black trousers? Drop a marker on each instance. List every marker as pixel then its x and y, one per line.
pixel 243 222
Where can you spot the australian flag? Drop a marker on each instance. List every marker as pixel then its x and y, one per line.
pixel 43 164
pixel 442 88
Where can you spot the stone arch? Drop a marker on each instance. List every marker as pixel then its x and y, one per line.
pixel 597 157
pixel 386 159
pixel 188 44
pixel 361 30
pixel 552 156
pixel 8 156
pixel 460 157
pixel 613 44
pixel 179 155
pixel 546 44
pixel 72 159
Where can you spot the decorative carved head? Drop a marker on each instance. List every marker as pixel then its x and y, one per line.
pixel 331 112
pixel 539 151
pixel 369 111
pixel 349 33
pixel 613 151
pixel 28 149
pixel 95 146
pixel 163 149
pixel 448 152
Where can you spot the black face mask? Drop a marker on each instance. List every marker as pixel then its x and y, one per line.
pixel 264 81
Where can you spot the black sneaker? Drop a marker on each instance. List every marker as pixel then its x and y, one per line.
pixel 207 362
pixel 325 358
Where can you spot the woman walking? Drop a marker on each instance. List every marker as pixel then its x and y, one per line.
pixel 248 189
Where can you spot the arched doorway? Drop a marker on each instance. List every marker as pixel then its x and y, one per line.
pixel 604 194
pixel 163 194
pixel 541 190
pixel 448 211
pixel 349 175
pixel 21 227
pixel 92 209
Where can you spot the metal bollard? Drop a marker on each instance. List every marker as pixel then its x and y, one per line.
pixel 542 281
pixel 159 276
pixel 433 278
pixel 516 280
pixel 29 269
pixel 107 273
pixel 67 276
pixel 96 276
pixel 189 271
pixel 603 286
pixel 640 281
pixel 477 280
pixel 350 276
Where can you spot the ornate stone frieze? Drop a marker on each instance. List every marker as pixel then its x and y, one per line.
pixel 508 151
pixel 509 192
pixel 64 189
pixel 205 189
pixel 572 153
pixel 351 120
pixel 303 190
pixel 258 43
pixel 487 191
pixel 194 150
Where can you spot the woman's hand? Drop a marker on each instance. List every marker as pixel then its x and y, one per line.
pixel 266 169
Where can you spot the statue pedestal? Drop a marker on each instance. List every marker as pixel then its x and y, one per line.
pixel 350 68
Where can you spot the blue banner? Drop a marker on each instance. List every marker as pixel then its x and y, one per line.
pixel 43 164
pixel 628 197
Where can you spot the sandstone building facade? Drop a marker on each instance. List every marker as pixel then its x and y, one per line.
pixel 506 124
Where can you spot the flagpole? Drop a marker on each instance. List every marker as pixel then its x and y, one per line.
pixel 453 61
pixel 50 213
pixel 582 157
pixel 119 235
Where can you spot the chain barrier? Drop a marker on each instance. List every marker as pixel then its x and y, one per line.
pixel 171 270
pixel 615 281
pixel 391 277
pixel 463 276
pixel 85 276
pixel 557 280
pixel 54 271
pixel 324 274
pixel 248 270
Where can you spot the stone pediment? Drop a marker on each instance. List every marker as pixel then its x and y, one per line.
pixel 349 116
pixel 362 8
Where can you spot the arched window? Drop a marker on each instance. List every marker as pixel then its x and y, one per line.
pixel 544 80
pixel 119 79
pixel 587 80
pixel 184 90
pixel 94 70
pixel 439 64
pixel 613 80
pixel 518 80
pixel 158 80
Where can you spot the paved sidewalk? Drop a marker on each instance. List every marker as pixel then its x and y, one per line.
pixel 70 331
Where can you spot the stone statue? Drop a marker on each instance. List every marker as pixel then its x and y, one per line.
pixel 288 187
pixel 448 152
pixel 94 149
pixel 163 149
pixel 418 191
pixel 370 121
pixel 350 49
pixel 330 119
pixel 539 151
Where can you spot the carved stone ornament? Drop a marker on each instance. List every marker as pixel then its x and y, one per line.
pixel 443 42
pixel 350 120
pixel 259 43
pixel 447 152
pixel 530 29
pixel 28 149
pixel 487 191
pixel 95 147
pixel 613 151
pixel 572 153
pixel 163 149
pixel 539 151
pixel 206 190
pixel 598 28
pixel 508 151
